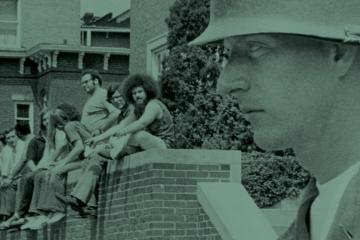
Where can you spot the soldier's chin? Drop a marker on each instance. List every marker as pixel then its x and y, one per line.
pixel 268 141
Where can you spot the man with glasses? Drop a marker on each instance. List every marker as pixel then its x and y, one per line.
pixel 98 115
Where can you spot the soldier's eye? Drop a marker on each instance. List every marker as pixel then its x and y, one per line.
pixel 256 48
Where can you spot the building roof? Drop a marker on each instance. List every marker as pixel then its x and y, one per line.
pixel 120 21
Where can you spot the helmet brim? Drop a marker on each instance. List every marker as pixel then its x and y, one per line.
pixel 220 30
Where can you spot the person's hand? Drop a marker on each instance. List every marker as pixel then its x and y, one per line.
pixel 51 165
pixel 57 168
pixel 120 133
pixel 92 141
pixel 6 182
pixel 96 132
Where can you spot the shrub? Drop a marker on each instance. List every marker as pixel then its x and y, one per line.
pixel 269 178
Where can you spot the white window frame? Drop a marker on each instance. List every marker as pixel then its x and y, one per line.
pixel 31 113
pixel 156 49
pixel 18 25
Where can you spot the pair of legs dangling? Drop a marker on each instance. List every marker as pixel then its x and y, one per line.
pixel 130 144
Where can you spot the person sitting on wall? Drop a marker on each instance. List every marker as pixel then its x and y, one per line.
pixel 76 134
pixel 12 155
pixel 89 178
pixel 150 125
pixel 115 97
pixel 6 152
pixel 2 145
pixel 33 154
pixel 45 206
pixel 97 115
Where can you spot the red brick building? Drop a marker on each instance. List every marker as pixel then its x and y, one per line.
pixel 43 52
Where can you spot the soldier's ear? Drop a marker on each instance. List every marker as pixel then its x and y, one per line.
pixel 342 56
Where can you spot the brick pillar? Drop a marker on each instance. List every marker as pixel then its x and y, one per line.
pixel 150 195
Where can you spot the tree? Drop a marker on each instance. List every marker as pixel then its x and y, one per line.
pixel 204 119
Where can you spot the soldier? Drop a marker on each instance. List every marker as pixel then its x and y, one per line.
pixel 294 68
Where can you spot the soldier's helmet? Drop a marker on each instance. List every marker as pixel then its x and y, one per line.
pixel 328 19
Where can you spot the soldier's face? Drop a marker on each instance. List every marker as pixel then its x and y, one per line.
pixel 284 85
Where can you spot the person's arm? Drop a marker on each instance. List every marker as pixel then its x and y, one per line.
pixel 61 144
pixel 112 116
pixel 72 132
pixel 31 165
pixel 75 152
pixel 7 157
pixel 112 131
pixel 20 164
pixel 152 111
pixel 32 153
pixel 18 167
pixel 57 152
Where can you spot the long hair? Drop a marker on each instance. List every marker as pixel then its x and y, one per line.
pixel 3 138
pixel 70 110
pixel 43 128
pixel 57 117
pixel 151 88
pixel 140 80
pixel 111 91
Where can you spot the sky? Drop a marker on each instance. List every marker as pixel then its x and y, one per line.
pixel 101 7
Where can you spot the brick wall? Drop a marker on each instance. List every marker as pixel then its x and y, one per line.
pixel 62 84
pixel 9 87
pixel 149 196
pixel 207 230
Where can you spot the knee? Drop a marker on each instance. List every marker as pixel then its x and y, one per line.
pixel 143 138
pixel 140 136
pixel 29 177
pixel 147 141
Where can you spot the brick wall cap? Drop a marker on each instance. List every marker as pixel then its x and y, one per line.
pixel 183 156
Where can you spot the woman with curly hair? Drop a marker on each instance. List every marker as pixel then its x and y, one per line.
pixel 150 125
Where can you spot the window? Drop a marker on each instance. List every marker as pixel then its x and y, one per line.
pixel 24 112
pixel 9 23
pixel 84 38
pixel 156 53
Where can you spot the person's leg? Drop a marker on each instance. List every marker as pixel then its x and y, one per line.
pixel 38 191
pixel 2 203
pixel 146 140
pixel 103 150
pixel 25 192
pixel 54 184
pixel 11 198
pixel 9 204
pixel 87 183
